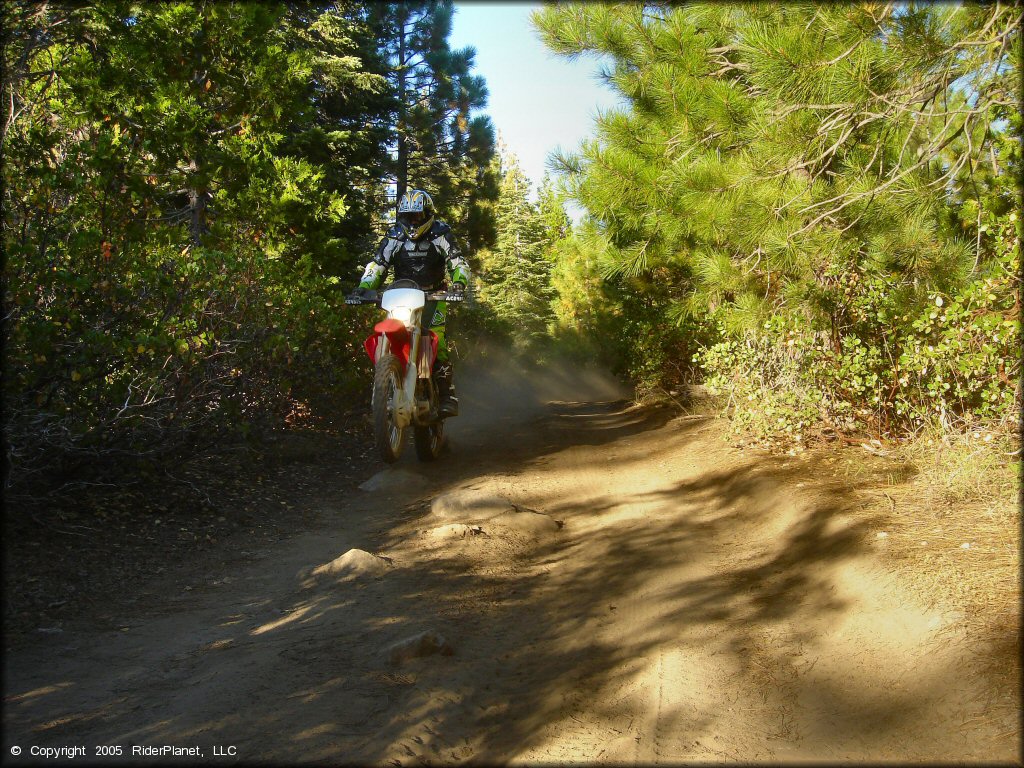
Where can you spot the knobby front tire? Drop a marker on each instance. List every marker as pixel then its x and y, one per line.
pixel 429 440
pixel 387 381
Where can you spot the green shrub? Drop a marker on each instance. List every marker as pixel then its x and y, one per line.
pixel 954 358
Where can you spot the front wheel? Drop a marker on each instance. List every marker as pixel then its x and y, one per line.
pixel 387 383
pixel 429 439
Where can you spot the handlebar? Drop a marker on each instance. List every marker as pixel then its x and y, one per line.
pixel 373 297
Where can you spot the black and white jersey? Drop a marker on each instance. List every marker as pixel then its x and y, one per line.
pixel 426 261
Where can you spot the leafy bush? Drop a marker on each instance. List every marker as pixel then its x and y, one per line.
pixel 954 359
pixel 157 280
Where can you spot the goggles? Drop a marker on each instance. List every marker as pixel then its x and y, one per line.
pixel 412 218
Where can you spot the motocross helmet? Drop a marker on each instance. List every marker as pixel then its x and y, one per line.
pixel 416 213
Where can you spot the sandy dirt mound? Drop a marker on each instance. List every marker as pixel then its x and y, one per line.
pixel 455 531
pixel 489 513
pixel 578 580
pixel 469 506
pixel 528 522
pixel 353 564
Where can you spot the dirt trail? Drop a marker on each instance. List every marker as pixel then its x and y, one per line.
pixel 611 583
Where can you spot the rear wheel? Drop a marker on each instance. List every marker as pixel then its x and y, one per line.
pixel 429 439
pixel 387 384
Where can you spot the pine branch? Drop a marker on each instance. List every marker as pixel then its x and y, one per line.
pixel 845 200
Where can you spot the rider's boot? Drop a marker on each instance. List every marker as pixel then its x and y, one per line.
pixel 449 405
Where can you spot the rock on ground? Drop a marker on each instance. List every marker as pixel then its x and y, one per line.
pixel 423 644
pixel 352 564
pixel 393 480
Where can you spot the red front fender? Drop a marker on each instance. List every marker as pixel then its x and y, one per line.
pixel 398 338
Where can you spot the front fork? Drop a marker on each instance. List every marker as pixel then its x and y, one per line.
pixel 406 407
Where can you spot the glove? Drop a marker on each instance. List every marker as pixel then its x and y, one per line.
pixel 458 289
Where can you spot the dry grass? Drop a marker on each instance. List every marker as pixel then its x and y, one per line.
pixel 980 466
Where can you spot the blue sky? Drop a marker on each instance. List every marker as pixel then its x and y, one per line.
pixel 537 101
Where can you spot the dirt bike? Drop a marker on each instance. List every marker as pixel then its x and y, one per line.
pixel 404 394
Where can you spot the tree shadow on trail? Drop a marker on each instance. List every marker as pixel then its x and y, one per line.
pixel 737 603
pixel 540 651
pixel 535 640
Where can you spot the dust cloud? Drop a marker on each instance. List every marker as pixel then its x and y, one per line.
pixel 491 383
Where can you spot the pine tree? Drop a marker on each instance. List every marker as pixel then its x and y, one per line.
pixel 516 273
pixel 556 230
pixel 807 179
pixel 346 126
pixel 768 153
pixel 439 144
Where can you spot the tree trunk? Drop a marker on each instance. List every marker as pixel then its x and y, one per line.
pixel 402 172
pixel 197 209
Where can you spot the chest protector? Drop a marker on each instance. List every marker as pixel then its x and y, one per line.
pixel 420 260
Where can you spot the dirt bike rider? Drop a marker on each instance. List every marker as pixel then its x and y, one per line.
pixel 420 247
